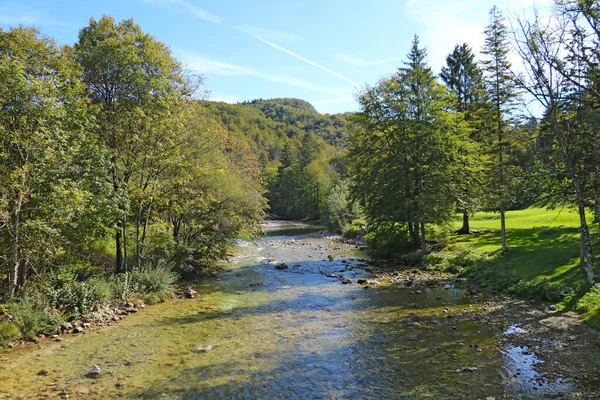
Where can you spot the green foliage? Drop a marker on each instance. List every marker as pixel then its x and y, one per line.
pixel 31 317
pixel 403 160
pixel 157 279
pixel 341 210
pixel 9 332
pixel 123 286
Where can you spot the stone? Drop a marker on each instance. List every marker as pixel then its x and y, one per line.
pixel 94 371
pixel 346 281
pixel 191 293
pixel 42 372
pixel 552 308
pixel 281 266
pixel 87 325
pixel 330 257
pixel 77 329
pixel 361 281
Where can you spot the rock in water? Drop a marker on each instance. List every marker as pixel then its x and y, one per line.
pixel 281 266
pixel 94 371
pixel 331 257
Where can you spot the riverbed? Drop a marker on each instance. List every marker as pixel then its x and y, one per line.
pixel 300 315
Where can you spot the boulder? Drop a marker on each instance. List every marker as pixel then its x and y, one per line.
pixel 191 293
pixel 94 371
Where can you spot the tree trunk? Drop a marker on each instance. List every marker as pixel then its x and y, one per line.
pixel 124 226
pixel 119 248
pixel 588 258
pixel 466 227
pixel 423 245
pixel 15 256
pixel 503 229
pixel 582 255
pixel 138 238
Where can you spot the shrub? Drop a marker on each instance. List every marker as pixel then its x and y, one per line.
pixel 123 286
pixel 31 317
pixel 9 332
pixel 156 279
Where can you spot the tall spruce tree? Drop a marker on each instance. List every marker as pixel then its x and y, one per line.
pixel 464 79
pixel 403 160
pixel 502 96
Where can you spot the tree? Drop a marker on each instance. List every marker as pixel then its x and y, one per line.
pixel 134 81
pixel 46 153
pixel 569 125
pixel 502 95
pixel 403 159
pixel 464 79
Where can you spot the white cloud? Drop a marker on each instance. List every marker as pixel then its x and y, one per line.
pixel 266 33
pixel 386 64
pixel 189 7
pixel 306 60
pixel 446 23
pixel 226 99
pixel 337 100
pixel 200 64
pixel 197 63
pixel 14 20
pixel 355 60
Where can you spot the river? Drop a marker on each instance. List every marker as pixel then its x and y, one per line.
pixel 258 332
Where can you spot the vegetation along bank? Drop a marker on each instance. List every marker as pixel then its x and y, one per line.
pixel 115 183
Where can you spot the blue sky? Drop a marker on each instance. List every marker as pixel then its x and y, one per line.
pixel 321 51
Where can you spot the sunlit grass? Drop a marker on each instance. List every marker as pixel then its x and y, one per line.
pixel 544 247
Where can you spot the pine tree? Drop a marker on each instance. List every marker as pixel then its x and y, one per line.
pixel 502 96
pixel 464 79
pixel 403 160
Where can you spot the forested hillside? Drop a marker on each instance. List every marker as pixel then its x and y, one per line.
pixel 301 151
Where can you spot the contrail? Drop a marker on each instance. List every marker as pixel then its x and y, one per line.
pixel 314 64
pixel 386 64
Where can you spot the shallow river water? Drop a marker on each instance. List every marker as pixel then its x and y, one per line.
pixel 257 332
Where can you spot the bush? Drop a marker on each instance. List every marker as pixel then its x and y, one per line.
pixel 76 298
pixel 31 317
pixel 123 286
pixel 156 279
pixel 9 332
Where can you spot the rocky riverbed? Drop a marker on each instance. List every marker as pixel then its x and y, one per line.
pixel 299 314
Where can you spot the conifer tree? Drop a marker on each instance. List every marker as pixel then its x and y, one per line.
pixel 464 79
pixel 502 96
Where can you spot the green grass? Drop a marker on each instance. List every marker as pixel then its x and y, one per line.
pixel 542 261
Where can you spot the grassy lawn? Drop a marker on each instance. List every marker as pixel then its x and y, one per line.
pixel 543 252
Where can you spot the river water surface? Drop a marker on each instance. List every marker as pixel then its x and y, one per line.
pixel 300 333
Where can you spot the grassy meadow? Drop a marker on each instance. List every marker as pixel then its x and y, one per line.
pixel 542 261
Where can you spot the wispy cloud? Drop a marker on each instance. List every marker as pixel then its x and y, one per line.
pixel 306 60
pixel 13 20
pixel 337 100
pixel 226 99
pixel 355 60
pixel 265 33
pixel 446 24
pixel 189 7
pixel 200 64
pixel 386 64
pixel 197 63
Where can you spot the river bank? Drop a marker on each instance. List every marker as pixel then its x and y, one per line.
pixel 256 331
